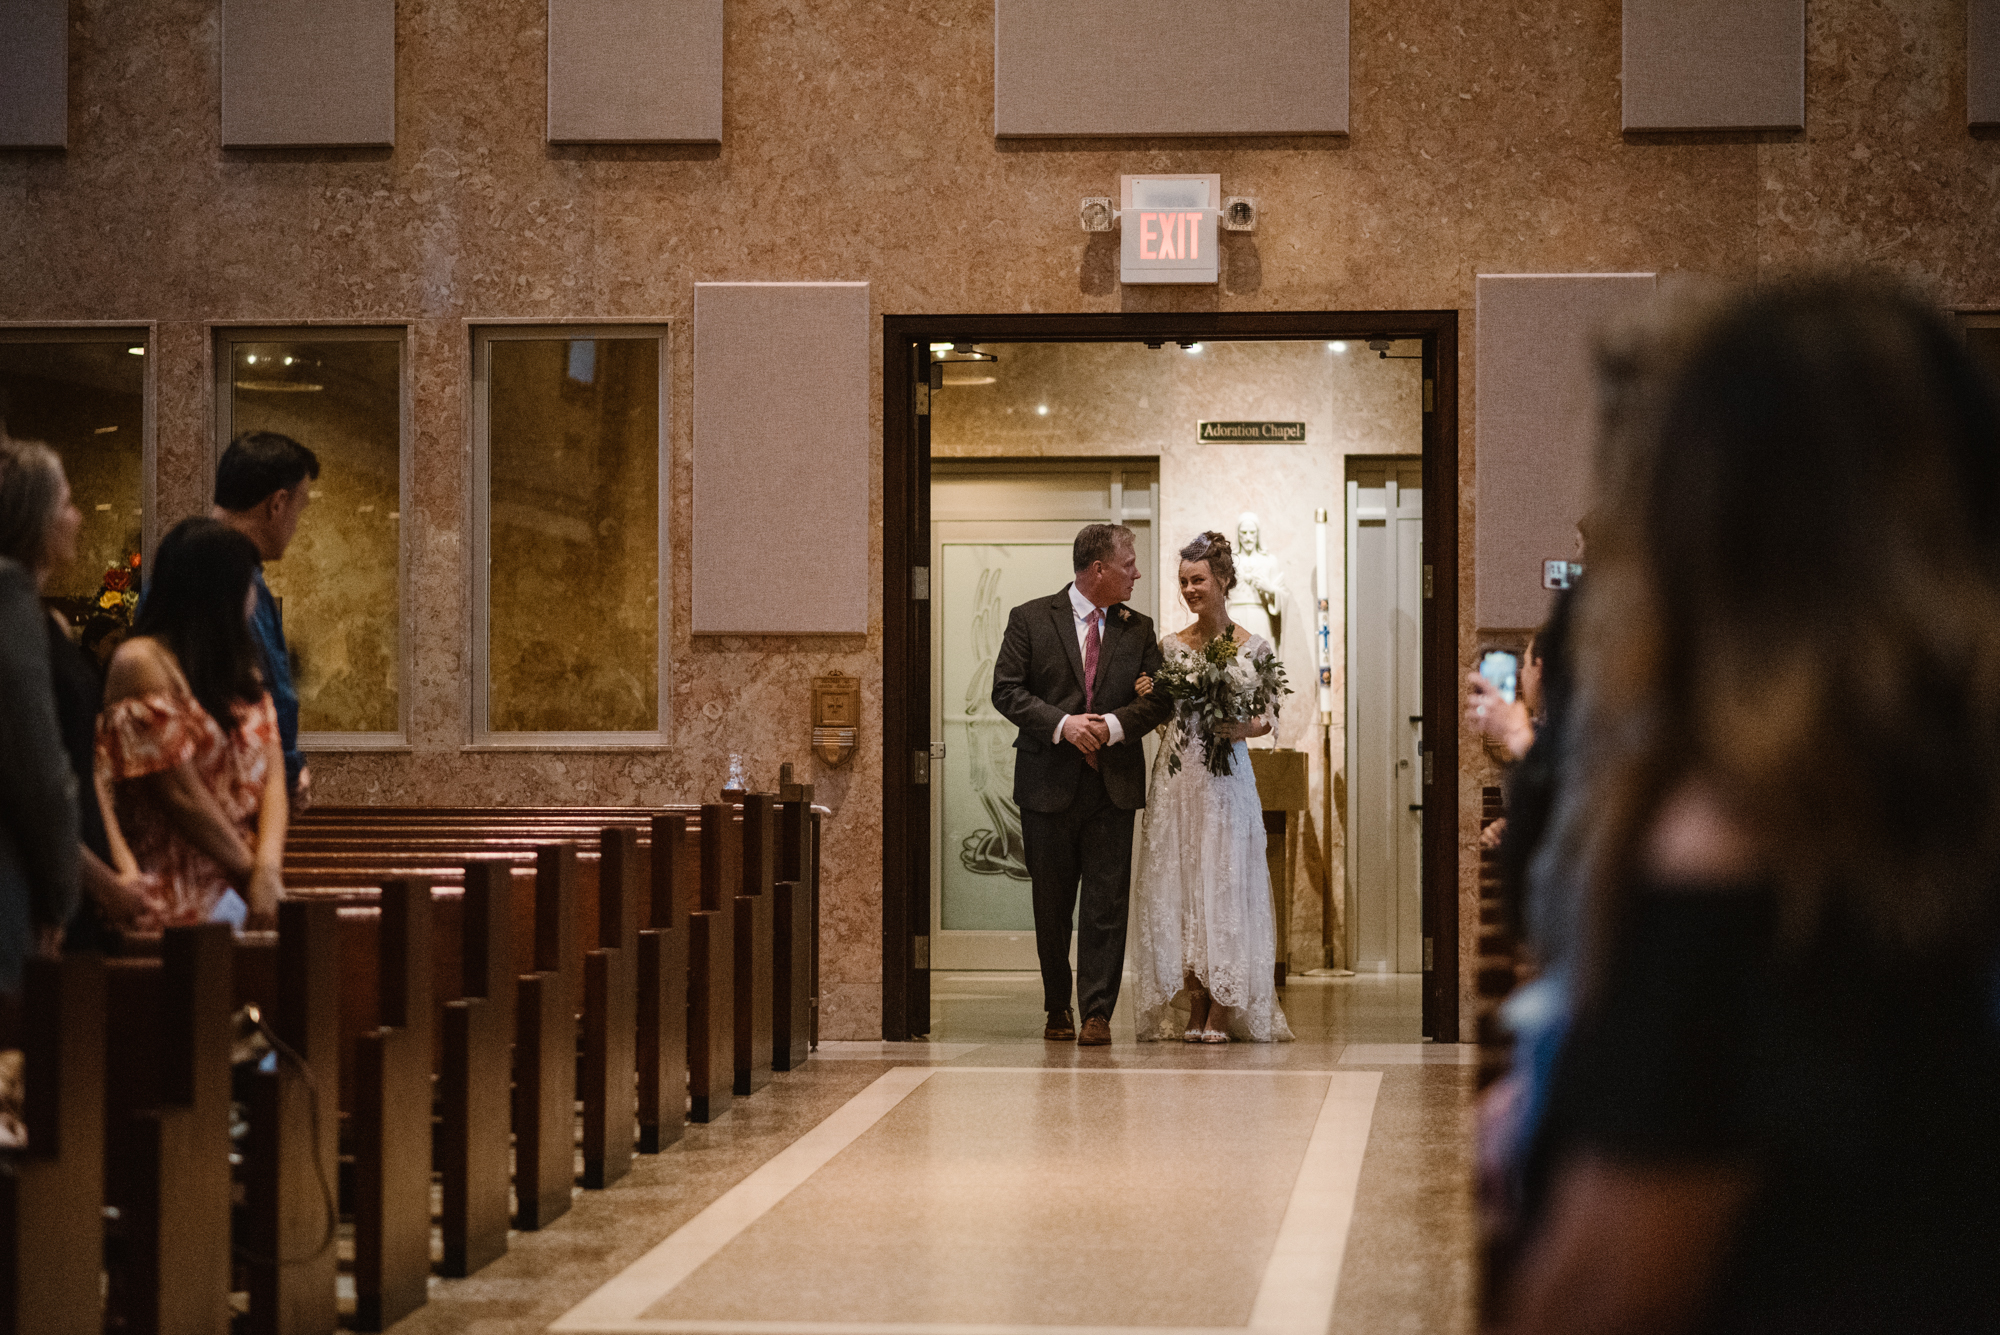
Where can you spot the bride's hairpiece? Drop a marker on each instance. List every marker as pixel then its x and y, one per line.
pixel 1214 548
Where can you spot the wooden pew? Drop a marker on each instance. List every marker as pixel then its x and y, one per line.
pixel 545 1049
pixel 754 899
pixel 663 991
pixel 474 968
pixel 794 938
pixel 392 1116
pixel 611 1021
pixel 52 1196
pixel 539 1019
pixel 712 969
pixel 167 1095
pixel 475 1145
pixel 291 1154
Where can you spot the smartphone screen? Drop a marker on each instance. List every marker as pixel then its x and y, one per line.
pixel 1503 670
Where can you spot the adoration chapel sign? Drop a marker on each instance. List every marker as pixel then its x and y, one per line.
pixel 1253 433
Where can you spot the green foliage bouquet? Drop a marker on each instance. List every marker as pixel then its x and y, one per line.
pixel 1218 685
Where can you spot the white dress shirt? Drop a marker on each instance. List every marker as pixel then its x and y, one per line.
pixel 1082 607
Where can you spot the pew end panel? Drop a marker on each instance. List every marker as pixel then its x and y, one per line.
pixel 167 1097
pixel 475 1075
pixel 52 1195
pixel 392 1120
pixel 611 994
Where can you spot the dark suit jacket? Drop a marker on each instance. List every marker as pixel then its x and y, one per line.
pixel 38 822
pixel 1038 678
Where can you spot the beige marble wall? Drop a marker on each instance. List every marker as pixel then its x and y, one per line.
pixel 857 144
pixel 1055 399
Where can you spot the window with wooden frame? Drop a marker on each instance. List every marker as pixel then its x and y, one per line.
pixel 340 392
pixel 569 535
pixel 86 392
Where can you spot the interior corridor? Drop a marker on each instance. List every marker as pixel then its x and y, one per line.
pixel 988 1182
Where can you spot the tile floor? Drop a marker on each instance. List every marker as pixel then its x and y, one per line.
pixel 985 1183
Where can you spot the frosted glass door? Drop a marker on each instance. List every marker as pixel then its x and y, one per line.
pixel 985 884
pixel 1001 535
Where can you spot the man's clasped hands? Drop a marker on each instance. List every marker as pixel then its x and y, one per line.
pixel 1088 733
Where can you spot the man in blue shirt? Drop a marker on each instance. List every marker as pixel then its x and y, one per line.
pixel 261 491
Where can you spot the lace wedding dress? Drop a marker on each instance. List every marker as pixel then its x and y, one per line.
pixel 1204 892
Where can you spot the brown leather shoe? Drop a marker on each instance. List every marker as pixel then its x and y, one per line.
pixel 1062 1028
pixel 1096 1033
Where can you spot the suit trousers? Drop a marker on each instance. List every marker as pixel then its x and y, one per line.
pixel 1087 847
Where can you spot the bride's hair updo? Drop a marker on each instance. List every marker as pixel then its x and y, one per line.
pixel 1213 548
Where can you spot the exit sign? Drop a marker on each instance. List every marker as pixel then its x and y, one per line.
pixel 1168 228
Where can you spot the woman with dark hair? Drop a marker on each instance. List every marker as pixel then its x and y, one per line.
pixel 187 744
pixel 39 523
pixel 1776 1107
pixel 1207 938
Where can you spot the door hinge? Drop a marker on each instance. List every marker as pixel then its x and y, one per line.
pixel 920 952
pixel 1427 769
pixel 1427 581
pixel 920 584
pixel 923 397
pixel 1428 391
pixel 920 762
pixel 1427 955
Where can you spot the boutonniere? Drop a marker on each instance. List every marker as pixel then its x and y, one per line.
pixel 1124 615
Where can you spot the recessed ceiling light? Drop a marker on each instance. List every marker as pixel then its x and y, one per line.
pixel 1194 347
pixel 137 352
pixel 1042 409
pixel 943 347
pixel 1336 346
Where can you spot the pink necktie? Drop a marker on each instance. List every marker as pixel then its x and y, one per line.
pixel 1090 643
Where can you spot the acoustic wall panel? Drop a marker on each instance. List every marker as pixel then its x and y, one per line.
pixel 1196 67
pixel 635 71
pixel 308 73
pixel 34 73
pixel 781 393
pixel 1982 62
pixel 1535 423
pixel 1715 65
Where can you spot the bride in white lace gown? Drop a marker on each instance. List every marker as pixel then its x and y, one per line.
pixel 1206 940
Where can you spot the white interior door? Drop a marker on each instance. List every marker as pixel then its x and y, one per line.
pixel 1001 534
pixel 1385 715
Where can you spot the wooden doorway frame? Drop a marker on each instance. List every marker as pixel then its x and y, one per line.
pixel 906 663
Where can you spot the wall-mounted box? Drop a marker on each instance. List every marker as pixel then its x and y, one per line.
pixel 1714 65
pixel 34 74
pixel 308 73
pixel 1195 67
pixel 635 71
pixel 1535 428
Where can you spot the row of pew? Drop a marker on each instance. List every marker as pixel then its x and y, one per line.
pixel 506 1002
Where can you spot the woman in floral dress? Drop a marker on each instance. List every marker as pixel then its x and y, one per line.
pixel 187 746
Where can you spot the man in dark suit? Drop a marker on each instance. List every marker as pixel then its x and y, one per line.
pixel 1065 675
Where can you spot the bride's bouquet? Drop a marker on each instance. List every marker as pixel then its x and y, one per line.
pixel 1220 684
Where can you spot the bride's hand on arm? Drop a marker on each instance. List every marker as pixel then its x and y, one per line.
pixel 1245 730
pixel 1143 687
